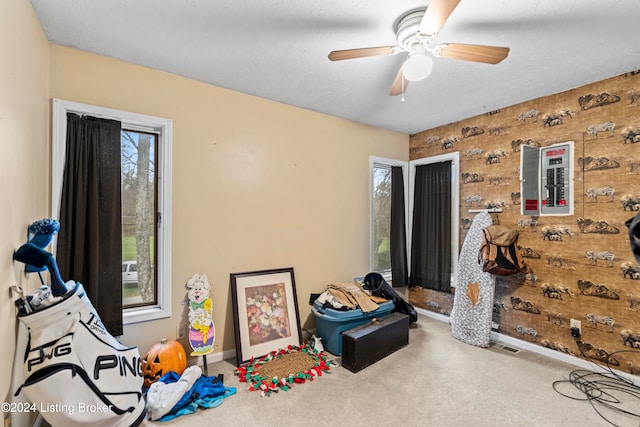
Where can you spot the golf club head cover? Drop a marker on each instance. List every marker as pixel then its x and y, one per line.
pixel 34 255
pixel 41 233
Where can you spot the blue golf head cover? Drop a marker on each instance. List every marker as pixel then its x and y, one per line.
pixel 40 234
pixel 31 254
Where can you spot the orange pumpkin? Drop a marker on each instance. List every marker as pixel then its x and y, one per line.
pixel 165 356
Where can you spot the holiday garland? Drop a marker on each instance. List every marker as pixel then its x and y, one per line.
pixel 255 373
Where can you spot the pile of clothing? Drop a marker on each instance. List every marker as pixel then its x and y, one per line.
pixel 349 296
pixel 373 291
pixel 174 395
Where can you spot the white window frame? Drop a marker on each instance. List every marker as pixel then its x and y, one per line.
pixel 454 157
pixel 138 122
pixel 382 161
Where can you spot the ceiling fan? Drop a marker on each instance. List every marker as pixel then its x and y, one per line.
pixel 414 33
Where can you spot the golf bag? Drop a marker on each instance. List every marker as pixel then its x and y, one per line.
pixel 75 372
pixel 375 283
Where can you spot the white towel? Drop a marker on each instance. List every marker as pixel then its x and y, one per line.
pixel 161 397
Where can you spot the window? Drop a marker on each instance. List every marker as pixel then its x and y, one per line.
pixel 379 254
pixel 454 158
pixel 380 195
pixel 139 223
pixel 146 204
pixel 381 218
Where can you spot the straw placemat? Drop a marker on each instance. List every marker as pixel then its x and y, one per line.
pixel 279 370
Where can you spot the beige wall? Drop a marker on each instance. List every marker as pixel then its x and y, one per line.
pixel 256 184
pixel 24 163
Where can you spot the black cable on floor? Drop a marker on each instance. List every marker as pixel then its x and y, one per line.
pixel 605 389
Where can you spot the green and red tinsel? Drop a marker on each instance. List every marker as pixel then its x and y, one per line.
pixel 279 370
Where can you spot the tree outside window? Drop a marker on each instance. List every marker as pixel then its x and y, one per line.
pixel 139 187
pixel 381 217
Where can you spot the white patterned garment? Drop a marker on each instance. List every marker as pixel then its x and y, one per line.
pixel 473 298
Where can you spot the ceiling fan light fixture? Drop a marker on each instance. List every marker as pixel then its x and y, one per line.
pixel 415 31
pixel 417 67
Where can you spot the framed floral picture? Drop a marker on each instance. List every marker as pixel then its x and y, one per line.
pixel 265 312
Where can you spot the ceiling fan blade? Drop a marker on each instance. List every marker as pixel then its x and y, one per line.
pixel 338 55
pixel 435 16
pixel 398 85
pixel 472 52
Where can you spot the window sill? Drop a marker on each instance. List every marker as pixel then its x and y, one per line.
pixel 143 314
pixel 387 277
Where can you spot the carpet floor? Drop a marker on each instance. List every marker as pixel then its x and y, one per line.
pixel 434 381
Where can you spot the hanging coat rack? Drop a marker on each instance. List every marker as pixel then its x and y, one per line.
pixel 492 210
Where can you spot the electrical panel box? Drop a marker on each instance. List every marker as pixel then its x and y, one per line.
pixel 530 180
pixel 546 179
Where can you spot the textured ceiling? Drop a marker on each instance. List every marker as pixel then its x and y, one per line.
pixel 277 49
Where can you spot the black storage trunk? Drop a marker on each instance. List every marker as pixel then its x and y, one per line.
pixel 365 345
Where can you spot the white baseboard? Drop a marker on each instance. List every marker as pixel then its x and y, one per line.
pixel 538 349
pixel 433 314
pixel 216 357
pixel 231 354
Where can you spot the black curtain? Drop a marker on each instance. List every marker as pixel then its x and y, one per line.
pixel 398 237
pixel 431 233
pixel 89 247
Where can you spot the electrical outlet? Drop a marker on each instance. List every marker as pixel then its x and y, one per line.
pixel 576 324
pixel 181 332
